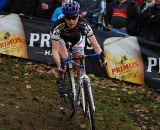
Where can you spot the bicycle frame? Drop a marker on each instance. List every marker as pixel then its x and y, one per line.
pixel 83 77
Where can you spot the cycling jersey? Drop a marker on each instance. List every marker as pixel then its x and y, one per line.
pixel 61 31
pixel 73 36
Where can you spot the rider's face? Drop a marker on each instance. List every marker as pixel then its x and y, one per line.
pixel 71 21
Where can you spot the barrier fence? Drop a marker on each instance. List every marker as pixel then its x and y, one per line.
pixel 131 59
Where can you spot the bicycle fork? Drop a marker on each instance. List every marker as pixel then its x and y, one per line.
pixel 82 79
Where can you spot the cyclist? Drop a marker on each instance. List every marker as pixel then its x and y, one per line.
pixel 70 29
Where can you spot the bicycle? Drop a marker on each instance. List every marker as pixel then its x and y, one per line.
pixel 73 93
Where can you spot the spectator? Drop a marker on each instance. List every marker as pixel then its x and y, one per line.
pixel 146 4
pixel 98 17
pixel 139 2
pixel 88 8
pixel 148 23
pixel 88 5
pixel 109 4
pixel 121 14
pixel 23 7
pixel 58 12
pixel 4 5
pixel 46 8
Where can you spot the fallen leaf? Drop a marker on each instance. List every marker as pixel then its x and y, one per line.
pixel 15 77
pixel 28 87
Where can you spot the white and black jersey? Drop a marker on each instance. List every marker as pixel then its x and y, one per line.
pixel 61 31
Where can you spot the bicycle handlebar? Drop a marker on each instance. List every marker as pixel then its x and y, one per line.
pixel 81 57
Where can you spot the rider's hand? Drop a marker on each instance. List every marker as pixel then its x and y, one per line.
pixel 102 59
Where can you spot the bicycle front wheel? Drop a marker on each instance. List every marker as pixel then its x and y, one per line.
pixel 67 100
pixel 89 112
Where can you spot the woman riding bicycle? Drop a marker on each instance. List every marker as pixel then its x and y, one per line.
pixel 70 29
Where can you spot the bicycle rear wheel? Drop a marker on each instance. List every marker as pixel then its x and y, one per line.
pixel 89 112
pixel 67 100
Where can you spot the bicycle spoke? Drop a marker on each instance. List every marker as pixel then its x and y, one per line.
pixel 67 108
pixel 67 99
pixel 89 110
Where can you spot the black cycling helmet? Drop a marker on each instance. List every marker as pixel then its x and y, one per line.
pixel 70 8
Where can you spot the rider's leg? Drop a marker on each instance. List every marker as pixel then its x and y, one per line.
pixel 63 54
pixel 63 51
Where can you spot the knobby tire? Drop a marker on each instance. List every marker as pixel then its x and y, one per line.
pixel 67 99
pixel 89 111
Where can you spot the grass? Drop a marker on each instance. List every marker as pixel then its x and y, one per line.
pixel 29 101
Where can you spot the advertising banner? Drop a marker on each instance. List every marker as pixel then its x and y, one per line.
pixel 124 59
pixel 131 59
pixel 12 37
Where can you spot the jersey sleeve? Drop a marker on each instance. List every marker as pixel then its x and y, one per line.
pixel 86 28
pixel 55 33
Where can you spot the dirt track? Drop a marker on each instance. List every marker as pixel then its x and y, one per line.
pixel 28 101
pixel 23 109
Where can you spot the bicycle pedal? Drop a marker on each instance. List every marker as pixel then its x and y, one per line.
pixel 78 103
pixel 61 108
pixel 63 95
pixel 66 95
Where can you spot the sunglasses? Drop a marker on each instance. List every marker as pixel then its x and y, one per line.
pixel 71 17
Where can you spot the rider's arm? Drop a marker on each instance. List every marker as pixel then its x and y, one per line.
pixel 95 44
pixel 55 36
pixel 90 35
pixel 97 49
pixel 55 54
